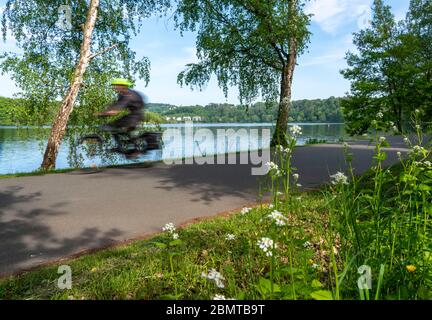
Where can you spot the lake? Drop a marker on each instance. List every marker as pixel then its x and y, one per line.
pixel 21 149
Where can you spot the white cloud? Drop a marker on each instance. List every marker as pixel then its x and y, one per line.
pixel 332 15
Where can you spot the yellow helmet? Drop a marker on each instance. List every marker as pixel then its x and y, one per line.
pixel 121 82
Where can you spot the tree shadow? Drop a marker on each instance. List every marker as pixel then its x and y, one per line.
pixel 203 183
pixel 26 241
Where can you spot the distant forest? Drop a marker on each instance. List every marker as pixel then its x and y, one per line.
pixel 327 110
pixel 16 112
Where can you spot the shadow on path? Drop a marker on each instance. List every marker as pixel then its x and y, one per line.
pixel 25 238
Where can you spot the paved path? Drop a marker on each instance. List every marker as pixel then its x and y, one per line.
pixel 45 218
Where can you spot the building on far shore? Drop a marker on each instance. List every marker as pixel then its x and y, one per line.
pixel 184 119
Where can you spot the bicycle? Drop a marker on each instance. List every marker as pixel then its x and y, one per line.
pixel 128 143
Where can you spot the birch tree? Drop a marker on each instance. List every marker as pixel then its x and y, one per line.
pixel 69 50
pixel 251 44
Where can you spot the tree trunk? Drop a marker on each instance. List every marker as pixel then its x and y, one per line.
pixel 279 137
pixel 60 123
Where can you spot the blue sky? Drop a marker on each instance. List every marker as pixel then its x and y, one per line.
pixel 317 75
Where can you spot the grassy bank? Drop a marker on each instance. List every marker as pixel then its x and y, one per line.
pixel 164 268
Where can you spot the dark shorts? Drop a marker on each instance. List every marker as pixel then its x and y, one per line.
pixel 130 122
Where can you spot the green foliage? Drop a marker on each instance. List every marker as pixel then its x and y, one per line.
pixel 11 111
pixel 391 73
pixel 244 43
pixel 383 221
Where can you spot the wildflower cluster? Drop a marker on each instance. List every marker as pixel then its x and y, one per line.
pixel 296 131
pixel 267 245
pixel 170 228
pixel 214 276
pixel 278 218
pixel 273 168
pixel 339 178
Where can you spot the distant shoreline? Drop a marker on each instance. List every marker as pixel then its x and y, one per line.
pixel 202 124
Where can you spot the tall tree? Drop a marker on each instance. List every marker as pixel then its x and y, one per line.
pixel 419 37
pixel 391 72
pixel 373 73
pixel 251 44
pixel 69 51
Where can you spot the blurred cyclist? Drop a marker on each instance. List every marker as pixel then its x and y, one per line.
pixel 127 100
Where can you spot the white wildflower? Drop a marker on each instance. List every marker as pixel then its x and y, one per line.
pixel 417 110
pixel 406 140
pixel 215 276
pixel 230 237
pixel 307 244
pixel 296 130
pixel 169 227
pixel 266 245
pixel 296 176
pixel 315 266
pixel 175 236
pixel 245 211
pixel 418 149
pixel 339 178
pixel 278 218
pixel 283 150
pixel 273 168
pixel 399 154
pixel 382 139
pixel 380 115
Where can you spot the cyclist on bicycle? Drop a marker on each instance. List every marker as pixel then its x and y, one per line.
pixel 127 99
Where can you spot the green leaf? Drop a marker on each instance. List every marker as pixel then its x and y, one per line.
pixel 175 243
pixel 316 284
pixel 264 286
pixel 322 295
pixel 160 245
pixel 424 187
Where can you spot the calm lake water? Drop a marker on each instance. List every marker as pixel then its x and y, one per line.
pixel 21 149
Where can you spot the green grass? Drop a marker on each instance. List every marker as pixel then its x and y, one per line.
pixel 35 173
pixel 142 270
